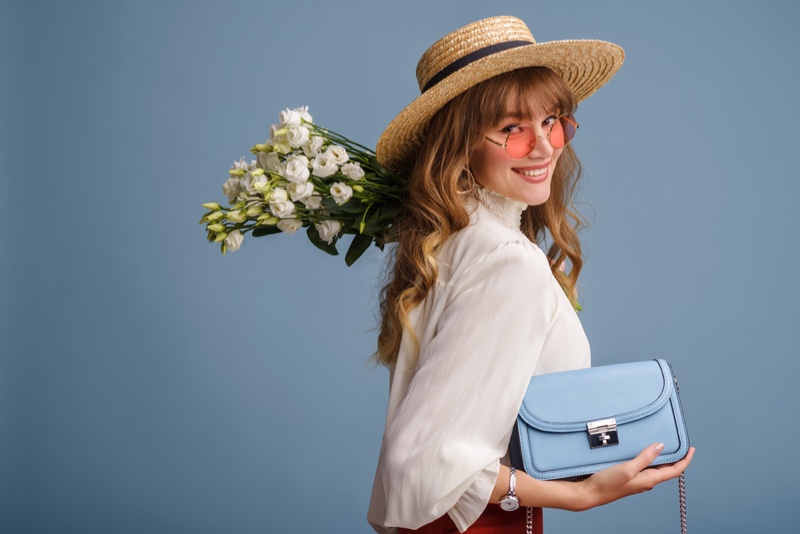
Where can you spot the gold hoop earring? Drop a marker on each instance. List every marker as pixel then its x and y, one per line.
pixel 472 184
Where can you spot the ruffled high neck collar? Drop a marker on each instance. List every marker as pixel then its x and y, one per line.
pixel 506 210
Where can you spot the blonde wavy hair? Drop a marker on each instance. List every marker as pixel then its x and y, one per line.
pixel 434 207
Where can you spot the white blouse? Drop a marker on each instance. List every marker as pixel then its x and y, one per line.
pixel 495 317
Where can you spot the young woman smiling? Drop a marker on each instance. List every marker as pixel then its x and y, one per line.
pixel 474 307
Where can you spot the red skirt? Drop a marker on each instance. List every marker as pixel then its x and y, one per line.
pixel 494 520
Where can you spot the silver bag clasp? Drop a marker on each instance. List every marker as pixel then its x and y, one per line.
pixel 602 433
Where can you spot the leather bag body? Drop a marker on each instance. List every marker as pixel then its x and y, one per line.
pixel 575 423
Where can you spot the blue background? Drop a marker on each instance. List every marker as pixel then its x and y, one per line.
pixel 149 384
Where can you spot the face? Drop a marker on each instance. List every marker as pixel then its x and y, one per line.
pixel 527 179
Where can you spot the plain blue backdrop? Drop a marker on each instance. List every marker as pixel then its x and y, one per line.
pixel 149 384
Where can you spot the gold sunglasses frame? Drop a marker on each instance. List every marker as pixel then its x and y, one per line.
pixel 568 118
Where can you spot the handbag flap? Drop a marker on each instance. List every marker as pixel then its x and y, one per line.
pixel 567 401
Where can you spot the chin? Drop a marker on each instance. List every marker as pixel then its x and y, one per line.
pixel 536 200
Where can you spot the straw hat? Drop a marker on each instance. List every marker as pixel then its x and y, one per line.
pixel 479 51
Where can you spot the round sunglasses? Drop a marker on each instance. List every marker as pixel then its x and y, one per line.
pixel 520 142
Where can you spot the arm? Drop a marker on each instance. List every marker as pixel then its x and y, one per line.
pixel 443 442
pixel 601 488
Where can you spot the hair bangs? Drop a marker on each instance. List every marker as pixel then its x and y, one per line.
pixel 525 93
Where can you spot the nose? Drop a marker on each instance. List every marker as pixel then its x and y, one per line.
pixel 541 148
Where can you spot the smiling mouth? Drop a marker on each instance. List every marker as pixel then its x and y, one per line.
pixel 532 172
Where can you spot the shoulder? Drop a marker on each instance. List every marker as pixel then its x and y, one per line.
pixel 488 245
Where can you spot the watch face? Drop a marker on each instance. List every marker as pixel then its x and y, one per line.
pixel 509 503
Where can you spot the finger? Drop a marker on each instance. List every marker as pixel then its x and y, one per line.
pixel 666 472
pixel 646 457
pixel 680 465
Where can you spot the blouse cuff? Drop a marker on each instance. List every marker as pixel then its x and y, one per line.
pixel 473 502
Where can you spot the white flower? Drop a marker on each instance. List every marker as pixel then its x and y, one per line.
pixel 290 117
pixel 338 154
pixel 341 192
pixel 314 202
pixel 324 165
pixel 278 140
pixel 234 241
pixel 277 131
pixel 353 170
pixel 300 191
pixel 232 188
pixel 298 135
pixel 259 181
pixel 297 169
pixel 290 226
pixel 250 182
pixel 271 162
pixel 281 145
pixel 278 195
pixel 281 208
pixel 313 146
pixel 328 230
pixel 241 164
pixel 303 111
pixel 263 187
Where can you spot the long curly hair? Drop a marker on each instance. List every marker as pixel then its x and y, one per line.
pixel 434 208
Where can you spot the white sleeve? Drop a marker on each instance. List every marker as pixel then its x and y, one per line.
pixel 442 449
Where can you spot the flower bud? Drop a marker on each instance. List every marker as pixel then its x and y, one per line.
pixel 220 237
pixel 260 147
pixel 267 219
pixel 214 216
pixel 216 227
pixel 236 216
pixel 237 172
pixel 358 188
pixel 252 211
pixel 213 206
pixel 262 187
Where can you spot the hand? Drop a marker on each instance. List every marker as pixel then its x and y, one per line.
pixel 634 476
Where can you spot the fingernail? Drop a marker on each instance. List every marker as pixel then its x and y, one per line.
pixel 658 447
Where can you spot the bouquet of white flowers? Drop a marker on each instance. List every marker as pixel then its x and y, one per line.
pixel 307 176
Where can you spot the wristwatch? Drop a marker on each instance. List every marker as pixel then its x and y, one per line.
pixel 510 502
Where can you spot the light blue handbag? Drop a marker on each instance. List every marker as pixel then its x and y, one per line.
pixel 575 423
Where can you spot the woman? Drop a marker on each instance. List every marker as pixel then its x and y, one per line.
pixel 474 308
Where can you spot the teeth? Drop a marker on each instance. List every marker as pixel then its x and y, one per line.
pixel 536 172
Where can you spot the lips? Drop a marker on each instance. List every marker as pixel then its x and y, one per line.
pixel 533 172
pixel 533 175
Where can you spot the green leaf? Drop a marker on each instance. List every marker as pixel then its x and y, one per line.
pixel 358 246
pixel 265 230
pixel 314 237
pixel 352 206
pixel 378 219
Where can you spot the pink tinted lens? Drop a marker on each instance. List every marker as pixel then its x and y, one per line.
pixel 557 139
pixel 520 143
pixel 562 133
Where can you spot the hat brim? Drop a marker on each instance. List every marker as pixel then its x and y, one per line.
pixel 586 65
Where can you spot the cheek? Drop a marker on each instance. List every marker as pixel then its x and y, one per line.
pixel 484 161
pixel 556 154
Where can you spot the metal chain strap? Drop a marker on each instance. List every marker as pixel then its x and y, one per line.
pixel 529 520
pixel 682 498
